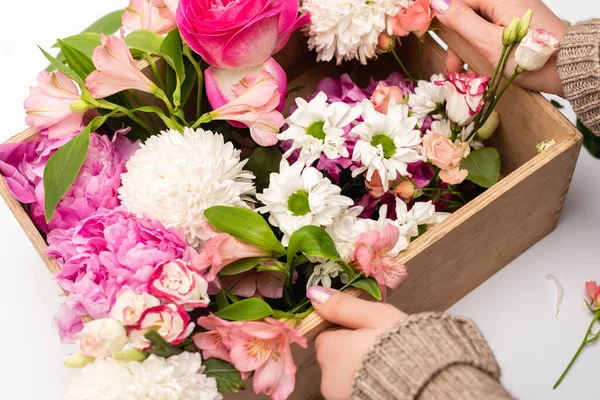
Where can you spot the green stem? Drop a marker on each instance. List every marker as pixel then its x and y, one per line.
pixel 583 343
pixel 202 120
pixel 500 69
pixel 408 75
pixel 106 105
pixel 162 96
pixel 500 62
pixel 159 81
pixel 200 79
pixel 503 68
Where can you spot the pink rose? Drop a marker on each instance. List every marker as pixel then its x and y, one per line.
pixel 593 290
pixel 416 18
pixel 171 322
pixel 446 156
pixel 174 282
pixel 464 96
pixel 535 49
pixel 102 338
pixel 384 95
pixel 242 33
pixel 130 306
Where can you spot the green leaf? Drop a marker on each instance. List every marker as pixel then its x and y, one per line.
pixel 63 167
pixel 483 166
pixel 63 68
pixel 81 64
pixel 313 241
pixel 241 266
pixel 160 347
pixel 172 51
pixel 229 379
pixel 146 41
pixel 246 310
pixel 190 81
pixel 245 225
pixel 590 141
pixel 221 299
pixel 84 42
pixel 557 104
pixel 370 286
pixel 262 162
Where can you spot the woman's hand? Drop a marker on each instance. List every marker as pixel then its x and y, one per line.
pixel 481 22
pixel 340 351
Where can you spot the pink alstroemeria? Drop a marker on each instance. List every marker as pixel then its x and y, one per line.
pixel 116 70
pixel 255 284
pixel 149 15
pixel 264 347
pixel 49 105
pixel 376 256
pixel 464 96
pixel 255 106
pixel 593 290
pixel 216 342
pixel 223 250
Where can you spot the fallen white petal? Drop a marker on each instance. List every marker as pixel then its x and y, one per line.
pixel 559 292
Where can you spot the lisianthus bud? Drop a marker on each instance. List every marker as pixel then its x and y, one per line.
pixel 509 36
pixel 405 190
pixel 386 42
pixel 524 23
pixel 535 49
pixel 80 106
pixel 545 145
pixel 490 126
pixel 130 355
pixel 78 360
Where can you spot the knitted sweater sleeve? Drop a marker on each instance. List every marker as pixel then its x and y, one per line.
pixel 430 356
pixel 579 71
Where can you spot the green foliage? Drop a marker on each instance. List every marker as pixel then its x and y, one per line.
pixel 145 41
pixel 483 166
pixel 80 63
pixel 229 379
pixel 160 347
pixel 246 310
pixel 369 285
pixel 262 163
pixel 172 51
pixel 590 141
pixel 241 266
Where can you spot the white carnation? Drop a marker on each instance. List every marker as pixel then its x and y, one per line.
pixel 348 29
pixel 175 177
pixel 176 378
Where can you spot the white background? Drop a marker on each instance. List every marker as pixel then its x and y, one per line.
pixel 515 308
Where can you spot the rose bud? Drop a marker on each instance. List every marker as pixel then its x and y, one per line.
pixel 405 190
pixel 171 322
pixel 385 42
pixel 130 306
pixel 536 49
pixel 102 337
pixel 175 282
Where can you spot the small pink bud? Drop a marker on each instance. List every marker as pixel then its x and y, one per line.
pixel 405 190
pixel 385 42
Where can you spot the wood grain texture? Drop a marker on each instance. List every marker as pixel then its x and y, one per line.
pixel 455 257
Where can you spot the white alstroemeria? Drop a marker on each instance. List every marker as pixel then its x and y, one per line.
pixel 348 29
pixel 318 127
pixel 324 272
pixel 427 97
pixel 421 213
pixel 443 126
pixel 387 143
pixel 298 196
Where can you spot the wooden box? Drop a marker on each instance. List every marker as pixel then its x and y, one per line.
pixel 474 243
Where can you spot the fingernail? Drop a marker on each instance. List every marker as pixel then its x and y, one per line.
pixel 440 6
pixel 319 294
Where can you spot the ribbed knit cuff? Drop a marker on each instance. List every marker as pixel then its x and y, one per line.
pixel 579 71
pixel 408 358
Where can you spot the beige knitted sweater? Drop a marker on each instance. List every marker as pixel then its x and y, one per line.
pixel 438 357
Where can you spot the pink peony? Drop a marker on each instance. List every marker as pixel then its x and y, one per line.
pixel 255 284
pixel 109 251
pixel 95 187
pixel 148 15
pixel 415 18
pixel 68 324
pixel 241 33
pixel 447 156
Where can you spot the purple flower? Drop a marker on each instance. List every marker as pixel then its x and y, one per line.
pixel 343 90
pixel 106 252
pixel 395 79
pixel 421 172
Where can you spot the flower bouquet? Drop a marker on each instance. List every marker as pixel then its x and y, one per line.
pixel 191 197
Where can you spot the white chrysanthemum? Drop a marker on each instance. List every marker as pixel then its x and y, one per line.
pixel 299 196
pixel 348 29
pixel 421 213
pixel 387 143
pixel 174 178
pixel 443 126
pixel 317 127
pixel 176 378
pixel 324 272
pixel 427 97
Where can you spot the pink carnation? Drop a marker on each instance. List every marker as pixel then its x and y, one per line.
pixel 107 252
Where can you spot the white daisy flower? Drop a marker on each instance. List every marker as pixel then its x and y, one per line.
pixel 443 126
pixel 175 177
pixel 387 143
pixel 317 127
pixel 427 97
pixel 324 272
pixel 421 213
pixel 348 29
pixel 299 196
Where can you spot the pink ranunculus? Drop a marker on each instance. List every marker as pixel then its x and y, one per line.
pixel 535 49
pixel 102 338
pixel 48 105
pixel 219 83
pixel 116 69
pixel 376 255
pixel 447 156
pixel 223 250
pixel 264 347
pixel 255 284
pixel 593 290
pixel 415 18
pixel 171 322
pixel 255 105
pixel 242 33
pixel 175 282
pixel 384 95
pixel 149 15
pixel 109 251
pixel 216 342
pixel 130 306
pixel 464 96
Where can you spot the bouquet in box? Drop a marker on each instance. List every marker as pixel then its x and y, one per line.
pixel 189 209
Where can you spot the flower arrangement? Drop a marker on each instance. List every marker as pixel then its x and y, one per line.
pixel 190 212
